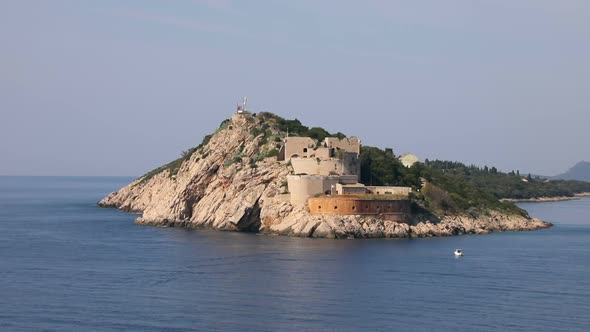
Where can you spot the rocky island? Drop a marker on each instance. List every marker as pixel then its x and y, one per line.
pixel 262 173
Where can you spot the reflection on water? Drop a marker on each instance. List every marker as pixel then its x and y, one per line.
pixel 69 265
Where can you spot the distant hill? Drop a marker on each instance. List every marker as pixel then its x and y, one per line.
pixel 501 185
pixel 580 172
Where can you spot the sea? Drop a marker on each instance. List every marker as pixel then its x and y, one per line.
pixel 68 265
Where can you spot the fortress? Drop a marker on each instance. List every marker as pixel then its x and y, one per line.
pixel 326 178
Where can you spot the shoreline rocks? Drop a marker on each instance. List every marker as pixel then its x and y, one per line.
pixel 346 227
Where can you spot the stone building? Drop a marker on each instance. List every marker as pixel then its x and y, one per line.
pixel 295 147
pixel 328 171
pixel 331 147
pixel 408 159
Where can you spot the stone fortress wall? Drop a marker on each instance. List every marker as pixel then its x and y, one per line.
pixel 385 190
pixel 302 187
pixel 351 144
pixel 306 147
pixel 295 147
pixel 348 165
pixel 350 189
pixel 326 176
pixel 386 208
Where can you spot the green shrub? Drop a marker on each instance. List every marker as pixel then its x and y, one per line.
pixel 272 153
pixel 224 124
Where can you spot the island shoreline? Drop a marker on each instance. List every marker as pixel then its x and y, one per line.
pixel 576 197
pixel 357 227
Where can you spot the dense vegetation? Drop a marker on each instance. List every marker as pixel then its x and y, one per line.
pixel 295 128
pixel 453 187
pixel 382 168
pixel 507 185
pixel 440 195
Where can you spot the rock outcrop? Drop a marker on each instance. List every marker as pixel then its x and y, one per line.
pixel 234 182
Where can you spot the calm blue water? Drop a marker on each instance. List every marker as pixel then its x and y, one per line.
pixel 67 265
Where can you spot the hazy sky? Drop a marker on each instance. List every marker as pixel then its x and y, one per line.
pixel 121 87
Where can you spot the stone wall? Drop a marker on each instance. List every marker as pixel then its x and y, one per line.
pixel 351 144
pixel 297 146
pixel 348 179
pixel 306 147
pixel 302 187
pixel 321 152
pixel 384 190
pixel 315 167
pixel 390 209
pixel 350 165
pixel 350 189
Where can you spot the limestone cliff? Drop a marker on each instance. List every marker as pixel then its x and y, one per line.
pixel 233 182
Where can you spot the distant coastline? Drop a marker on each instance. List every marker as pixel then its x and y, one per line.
pixel 548 199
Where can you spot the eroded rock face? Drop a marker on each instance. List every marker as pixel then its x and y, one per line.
pixel 219 186
pixel 228 185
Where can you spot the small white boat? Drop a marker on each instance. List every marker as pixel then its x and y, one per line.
pixel 458 252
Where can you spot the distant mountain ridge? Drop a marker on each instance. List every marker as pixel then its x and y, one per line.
pixel 580 172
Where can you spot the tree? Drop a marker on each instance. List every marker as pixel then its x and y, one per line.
pixel 318 133
pixel 389 153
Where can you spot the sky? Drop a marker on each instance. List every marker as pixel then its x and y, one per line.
pixel 117 87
